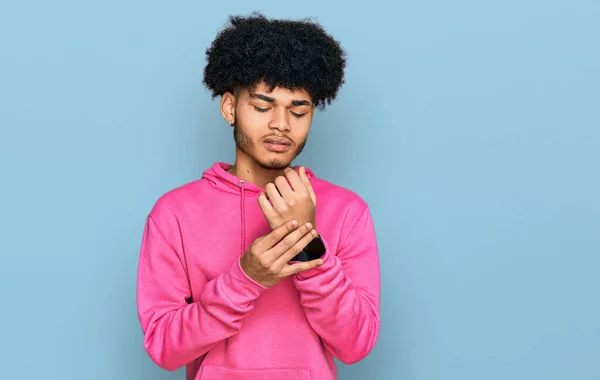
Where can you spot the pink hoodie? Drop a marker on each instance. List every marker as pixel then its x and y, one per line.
pixel 197 307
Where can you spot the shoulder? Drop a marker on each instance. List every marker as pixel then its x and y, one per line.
pixel 336 197
pixel 176 199
pixel 334 192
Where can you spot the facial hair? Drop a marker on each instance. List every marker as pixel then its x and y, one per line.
pixel 246 145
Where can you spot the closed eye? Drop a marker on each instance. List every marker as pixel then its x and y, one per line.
pixel 297 115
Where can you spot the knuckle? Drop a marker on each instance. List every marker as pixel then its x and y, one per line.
pixel 288 242
pixel 304 241
pixel 291 202
pixel 298 247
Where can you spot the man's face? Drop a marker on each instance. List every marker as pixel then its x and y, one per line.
pixel 272 128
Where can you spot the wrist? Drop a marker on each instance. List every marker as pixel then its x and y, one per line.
pixel 314 250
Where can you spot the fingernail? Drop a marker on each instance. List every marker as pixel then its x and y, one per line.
pixel 308 225
pixel 313 232
pixel 294 223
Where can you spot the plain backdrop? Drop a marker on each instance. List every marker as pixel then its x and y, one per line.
pixel 472 129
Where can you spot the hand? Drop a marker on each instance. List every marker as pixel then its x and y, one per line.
pixel 297 202
pixel 266 261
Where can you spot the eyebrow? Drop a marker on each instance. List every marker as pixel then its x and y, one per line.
pixel 272 100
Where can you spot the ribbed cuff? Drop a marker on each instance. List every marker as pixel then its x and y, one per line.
pixel 239 287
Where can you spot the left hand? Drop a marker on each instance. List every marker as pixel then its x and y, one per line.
pixel 297 202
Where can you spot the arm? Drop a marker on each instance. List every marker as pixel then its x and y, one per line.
pixel 177 332
pixel 341 297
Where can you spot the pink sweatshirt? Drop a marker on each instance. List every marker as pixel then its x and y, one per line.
pixel 198 308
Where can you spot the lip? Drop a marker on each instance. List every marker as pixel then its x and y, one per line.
pixel 278 140
pixel 277 144
pixel 277 147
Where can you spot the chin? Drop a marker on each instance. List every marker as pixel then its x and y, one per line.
pixel 273 163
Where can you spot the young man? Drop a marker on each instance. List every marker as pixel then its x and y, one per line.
pixel 260 270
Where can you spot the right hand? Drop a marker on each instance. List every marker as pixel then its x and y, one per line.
pixel 266 261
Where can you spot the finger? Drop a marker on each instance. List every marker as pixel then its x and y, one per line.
pixel 301 267
pixel 308 185
pixel 268 241
pixel 295 180
pixel 296 248
pixel 274 196
pixel 265 205
pixel 288 243
pixel 284 188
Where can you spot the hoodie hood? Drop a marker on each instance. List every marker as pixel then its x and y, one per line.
pixel 222 180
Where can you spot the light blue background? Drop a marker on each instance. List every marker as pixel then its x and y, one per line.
pixel 471 127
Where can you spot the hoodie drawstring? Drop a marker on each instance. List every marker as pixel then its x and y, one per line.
pixel 241 184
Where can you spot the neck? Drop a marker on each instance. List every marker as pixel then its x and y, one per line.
pixel 247 169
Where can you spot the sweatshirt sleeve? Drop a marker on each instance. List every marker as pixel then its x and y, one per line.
pixel 178 330
pixel 341 297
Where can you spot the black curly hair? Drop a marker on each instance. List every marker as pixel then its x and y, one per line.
pixel 281 53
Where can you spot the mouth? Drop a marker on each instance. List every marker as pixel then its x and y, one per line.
pixel 278 141
pixel 277 144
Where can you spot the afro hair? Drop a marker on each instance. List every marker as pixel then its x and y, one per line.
pixel 280 53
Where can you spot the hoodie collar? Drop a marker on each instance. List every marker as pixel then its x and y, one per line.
pixel 218 175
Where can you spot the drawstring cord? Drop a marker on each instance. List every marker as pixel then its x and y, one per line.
pixel 241 184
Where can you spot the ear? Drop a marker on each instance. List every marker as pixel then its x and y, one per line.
pixel 228 107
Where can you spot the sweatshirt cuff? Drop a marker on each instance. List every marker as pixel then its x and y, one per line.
pixel 239 287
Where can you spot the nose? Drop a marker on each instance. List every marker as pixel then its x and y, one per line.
pixel 280 121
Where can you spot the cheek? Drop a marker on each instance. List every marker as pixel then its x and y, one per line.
pixel 250 125
pixel 254 123
pixel 300 130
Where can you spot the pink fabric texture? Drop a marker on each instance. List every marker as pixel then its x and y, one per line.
pixel 199 309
